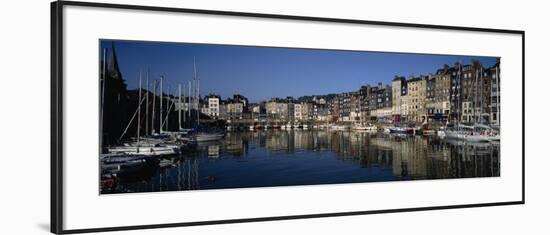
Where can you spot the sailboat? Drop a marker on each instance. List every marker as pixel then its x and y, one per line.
pixel 476 133
pixel 204 134
pixel 149 147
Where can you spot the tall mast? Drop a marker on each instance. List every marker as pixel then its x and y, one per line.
pixel 198 91
pixel 182 105
pixel 139 110
pixel 179 109
pixel 154 99
pixel 198 102
pixel 147 104
pixel 161 98
pixel 102 99
pixel 168 106
pixel 189 103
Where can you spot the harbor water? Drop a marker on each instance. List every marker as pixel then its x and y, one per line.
pixel 311 157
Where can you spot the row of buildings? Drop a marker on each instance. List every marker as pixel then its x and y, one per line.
pixel 464 92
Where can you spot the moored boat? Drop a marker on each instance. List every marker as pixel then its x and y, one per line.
pixel 402 130
pixel 206 136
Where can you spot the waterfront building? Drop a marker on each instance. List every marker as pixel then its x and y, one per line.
pixel 301 112
pixel 430 96
pixel 364 96
pixel 494 104
pixel 222 110
pixel 485 90
pixel 204 108
pixel 355 112
pixel 255 111
pixel 456 92
pixel 344 103
pixel 416 98
pixel 320 112
pixel 399 93
pixel 382 114
pixel 241 99
pixel 235 109
pixel 276 109
pixel 442 103
pixel 467 84
pixel 335 107
pixel 213 105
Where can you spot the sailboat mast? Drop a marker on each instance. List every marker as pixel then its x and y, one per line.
pixel 189 104
pixel 198 91
pixel 179 109
pixel 182 105
pixel 168 106
pixel 154 99
pixel 139 111
pixel 161 98
pixel 198 102
pixel 147 104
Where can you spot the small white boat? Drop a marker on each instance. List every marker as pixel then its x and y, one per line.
pixel 251 128
pixel 401 130
pixel 467 133
pixel 304 126
pixel 145 150
pixel 361 127
pixel 339 127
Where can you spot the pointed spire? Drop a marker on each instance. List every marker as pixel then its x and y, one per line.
pixel 113 70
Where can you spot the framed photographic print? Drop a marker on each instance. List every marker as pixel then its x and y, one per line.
pixel 165 117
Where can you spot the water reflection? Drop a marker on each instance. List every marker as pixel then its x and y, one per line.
pixel 282 158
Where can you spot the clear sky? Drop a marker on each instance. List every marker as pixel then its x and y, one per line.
pixel 260 73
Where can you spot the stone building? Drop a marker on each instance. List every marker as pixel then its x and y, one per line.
pixel 455 92
pixel 416 98
pixel 442 92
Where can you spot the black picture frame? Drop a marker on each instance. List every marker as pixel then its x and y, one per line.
pixel 57 113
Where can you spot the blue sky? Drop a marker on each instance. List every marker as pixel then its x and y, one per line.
pixel 260 73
